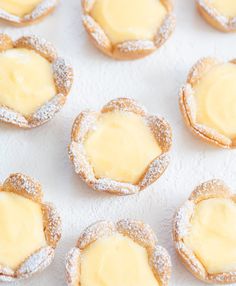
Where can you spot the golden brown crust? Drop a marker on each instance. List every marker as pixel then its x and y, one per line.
pixel 128 50
pixel 207 190
pixel 137 231
pixel 85 121
pixel 43 9
pixel 63 78
pixel 215 18
pixel 27 187
pixel 187 105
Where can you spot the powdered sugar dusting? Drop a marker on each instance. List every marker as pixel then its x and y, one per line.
pixel 137 231
pixel 155 170
pixel 95 231
pixel 111 186
pixel 36 262
pixel 40 10
pixel 6 274
pixel 72 267
pixel 48 110
pixel 161 262
pixel 215 14
pixel 52 224
pixel 40 45
pixel 63 75
pixel 23 184
pixel 10 116
pixel 192 262
pixel 165 30
pixel 134 46
pixel 96 32
pixel 182 219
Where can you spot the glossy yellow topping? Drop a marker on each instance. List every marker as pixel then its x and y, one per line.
pixel 19 7
pixel 125 20
pixel 212 235
pixel 26 80
pixel 121 146
pixel 225 7
pixel 21 229
pixel 216 99
pixel 116 261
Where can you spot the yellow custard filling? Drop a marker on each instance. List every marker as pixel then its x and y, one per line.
pixel 26 80
pixel 21 229
pixel 216 99
pixel 212 235
pixel 126 20
pixel 19 7
pixel 121 146
pixel 116 261
pixel 225 7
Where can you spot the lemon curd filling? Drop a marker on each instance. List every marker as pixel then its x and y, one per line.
pixel 19 7
pixel 121 146
pixel 114 261
pixel 215 94
pixel 212 235
pixel 225 7
pixel 21 229
pixel 26 80
pixel 126 20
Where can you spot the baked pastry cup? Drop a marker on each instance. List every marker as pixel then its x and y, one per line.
pixel 204 233
pixel 30 229
pixel 207 100
pixel 137 30
pixel 38 79
pixel 129 244
pixel 22 14
pixel 219 14
pixel 121 149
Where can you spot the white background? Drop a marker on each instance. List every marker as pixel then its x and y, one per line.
pixel 154 82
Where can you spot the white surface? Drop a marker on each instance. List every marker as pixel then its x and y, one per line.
pixel 154 82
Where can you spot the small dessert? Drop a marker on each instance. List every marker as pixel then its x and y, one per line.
pixel 34 81
pixel 113 254
pixel 25 12
pixel 208 101
pixel 128 29
pixel 29 229
pixel 205 233
pixel 221 14
pixel 121 149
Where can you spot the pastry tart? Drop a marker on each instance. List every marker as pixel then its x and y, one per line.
pixel 208 99
pixel 34 81
pixel 204 233
pixel 121 149
pixel 221 14
pixel 113 254
pixel 128 29
pixel 29 228
pixel 25 12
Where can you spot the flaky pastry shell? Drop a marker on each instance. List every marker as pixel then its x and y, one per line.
pixel 210 189
pixel 127 50
pixel 187 105
pixel 63 78
pixel 27 187
pixel 215 18
pixel 139 232
pixel 43 9
pixel 85 122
